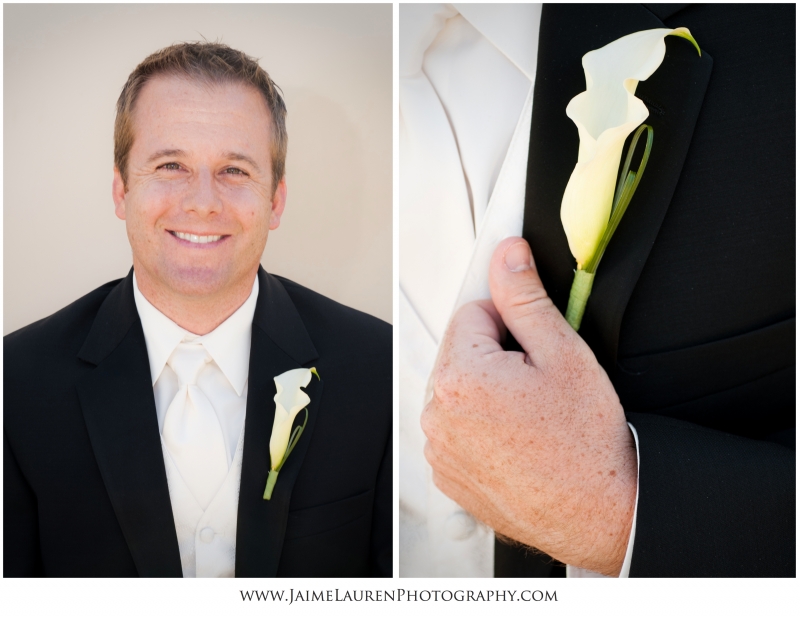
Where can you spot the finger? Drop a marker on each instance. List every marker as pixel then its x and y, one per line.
pixel 476 329
pixel 523 303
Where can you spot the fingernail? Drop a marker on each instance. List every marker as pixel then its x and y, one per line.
pixel 518 257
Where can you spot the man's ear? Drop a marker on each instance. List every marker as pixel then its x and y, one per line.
pixel 118 193
pixel 278 204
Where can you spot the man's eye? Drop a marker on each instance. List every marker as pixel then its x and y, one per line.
pixel 234 170
pixel 170 166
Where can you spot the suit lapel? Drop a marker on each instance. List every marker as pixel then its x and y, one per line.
pixel 674 96
pixel 280 342
pixel 119 410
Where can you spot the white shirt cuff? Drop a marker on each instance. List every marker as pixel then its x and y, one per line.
pixel 626 564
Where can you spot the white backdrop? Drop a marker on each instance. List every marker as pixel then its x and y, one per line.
pixel 64 67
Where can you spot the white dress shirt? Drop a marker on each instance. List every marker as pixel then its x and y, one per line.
pixel 466 95
pixel 206 537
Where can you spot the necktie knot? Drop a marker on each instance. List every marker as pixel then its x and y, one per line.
pixel 187 361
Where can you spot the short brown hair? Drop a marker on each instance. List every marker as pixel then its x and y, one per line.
pixel 210 63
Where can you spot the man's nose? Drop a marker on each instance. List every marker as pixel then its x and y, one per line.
pixel 203 197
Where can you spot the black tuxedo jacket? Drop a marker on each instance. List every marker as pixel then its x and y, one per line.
pixel 85 491
pixel 693 308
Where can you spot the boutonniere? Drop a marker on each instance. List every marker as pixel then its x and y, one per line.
pixel 606 114
pixel 289 400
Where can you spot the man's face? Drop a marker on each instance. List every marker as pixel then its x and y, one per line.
pixel 199 200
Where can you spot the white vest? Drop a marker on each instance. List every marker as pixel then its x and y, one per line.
pixel 207 540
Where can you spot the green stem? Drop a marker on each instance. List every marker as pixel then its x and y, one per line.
pixel 273 476
pixel 578 297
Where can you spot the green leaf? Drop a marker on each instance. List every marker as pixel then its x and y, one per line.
pixel 293 439
pixel 628 181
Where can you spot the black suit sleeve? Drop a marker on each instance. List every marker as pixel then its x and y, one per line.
pixel 695 482
pixel 381 541
pixel 21 555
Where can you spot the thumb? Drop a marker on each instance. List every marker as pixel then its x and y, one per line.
pixel 523 303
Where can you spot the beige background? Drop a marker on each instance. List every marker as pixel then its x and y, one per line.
pixel 64 66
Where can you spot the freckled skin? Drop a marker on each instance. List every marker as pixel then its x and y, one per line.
pixel 534 445
pixel 217 180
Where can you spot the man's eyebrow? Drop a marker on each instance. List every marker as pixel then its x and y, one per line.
pixel 238 156
pixel 168 152
pixel 176 152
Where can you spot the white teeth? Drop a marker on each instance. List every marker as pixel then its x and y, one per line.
pixel 197 239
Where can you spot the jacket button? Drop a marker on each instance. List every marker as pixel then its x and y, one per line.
pixel 206 535
pixel 460 526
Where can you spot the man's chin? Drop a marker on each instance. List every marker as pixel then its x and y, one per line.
pixel 199 282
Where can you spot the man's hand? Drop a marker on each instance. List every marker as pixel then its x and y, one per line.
pixel 534 445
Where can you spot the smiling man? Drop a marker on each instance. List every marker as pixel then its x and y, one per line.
pixel 138 419
pixel 197 204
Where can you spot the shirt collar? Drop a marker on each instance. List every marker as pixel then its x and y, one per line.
pixel 228 344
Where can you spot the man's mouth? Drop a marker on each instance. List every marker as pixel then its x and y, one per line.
pixel 195 238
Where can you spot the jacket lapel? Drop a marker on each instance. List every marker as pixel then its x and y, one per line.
pixel 674 96
pixel 280 342
pixel 119 410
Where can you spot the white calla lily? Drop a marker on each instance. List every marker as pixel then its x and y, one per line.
pixel 605 114
pixel 290 399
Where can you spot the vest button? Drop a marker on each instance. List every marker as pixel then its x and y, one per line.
pixel 460 526
pixel 206 535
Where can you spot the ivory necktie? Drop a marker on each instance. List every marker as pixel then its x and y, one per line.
pixel 192 432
